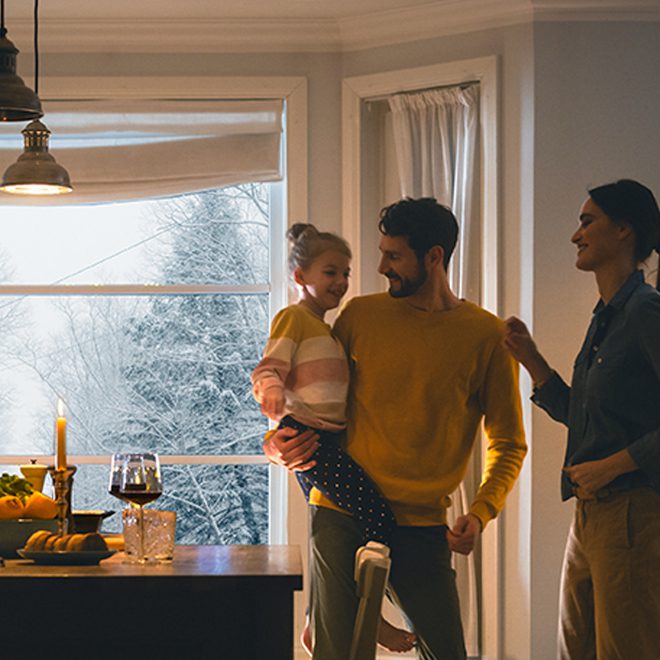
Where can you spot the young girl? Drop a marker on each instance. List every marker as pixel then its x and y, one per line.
pixel 302 382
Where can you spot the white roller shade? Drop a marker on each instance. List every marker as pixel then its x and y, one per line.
pixel 135 149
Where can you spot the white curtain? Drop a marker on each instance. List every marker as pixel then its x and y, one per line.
pixel 133 149
pixel 436 137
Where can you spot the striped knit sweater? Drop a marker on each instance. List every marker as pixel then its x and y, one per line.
pixel 308 363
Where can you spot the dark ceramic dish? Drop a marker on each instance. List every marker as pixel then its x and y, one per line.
pixel 89 521
pixel 14 533
pixel 62 558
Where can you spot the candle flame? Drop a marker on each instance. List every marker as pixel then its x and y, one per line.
pixel 60 408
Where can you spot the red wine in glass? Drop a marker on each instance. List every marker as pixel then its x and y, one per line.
pixel 114 491
pixel 117 462
pixel 140 484
pixel 138 494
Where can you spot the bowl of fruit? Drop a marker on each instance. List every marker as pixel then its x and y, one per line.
pixel 23 511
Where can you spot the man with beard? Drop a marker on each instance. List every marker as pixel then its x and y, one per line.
pixel 426 368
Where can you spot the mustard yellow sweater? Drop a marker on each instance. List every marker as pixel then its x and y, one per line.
pixel 421 383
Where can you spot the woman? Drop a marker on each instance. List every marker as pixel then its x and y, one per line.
pixel 610 593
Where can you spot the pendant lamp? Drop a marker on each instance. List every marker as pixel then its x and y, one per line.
pixel 17 101
pixel 36 171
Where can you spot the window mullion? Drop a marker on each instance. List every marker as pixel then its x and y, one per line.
pixel 131 289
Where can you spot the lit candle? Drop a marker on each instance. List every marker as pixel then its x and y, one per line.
pixel 60 426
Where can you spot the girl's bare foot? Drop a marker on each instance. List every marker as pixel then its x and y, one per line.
pixel 389 637
pixel 306 639
pixel 395 639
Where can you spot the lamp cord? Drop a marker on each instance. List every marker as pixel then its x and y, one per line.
pixel 2 19
pixel 36 46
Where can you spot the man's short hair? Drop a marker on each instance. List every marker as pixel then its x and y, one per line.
pixel 424 222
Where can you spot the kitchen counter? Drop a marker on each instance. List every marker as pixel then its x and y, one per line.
pixel 210 602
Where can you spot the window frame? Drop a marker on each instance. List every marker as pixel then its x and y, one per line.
pixel 288 199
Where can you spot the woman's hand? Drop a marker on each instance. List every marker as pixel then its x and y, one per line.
pixel 291 449
pixel 522 347
pixel 591 476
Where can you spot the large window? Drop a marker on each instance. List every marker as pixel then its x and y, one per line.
pixel 91 295
pixel 146 318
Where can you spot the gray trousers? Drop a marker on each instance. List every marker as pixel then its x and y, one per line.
pixel 422 582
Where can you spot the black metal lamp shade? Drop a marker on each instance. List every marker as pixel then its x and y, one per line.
pixel 17 101
pixel 36 172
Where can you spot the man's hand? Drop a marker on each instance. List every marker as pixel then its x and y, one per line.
pixel 463 535
pixel 591 476
pixel 291 449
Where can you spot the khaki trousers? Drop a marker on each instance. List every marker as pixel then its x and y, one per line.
pixel 610 595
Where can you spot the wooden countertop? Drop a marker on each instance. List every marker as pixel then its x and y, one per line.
pixel 212 601
pixel 227 561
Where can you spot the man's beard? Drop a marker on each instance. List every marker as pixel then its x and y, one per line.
pixel 407 287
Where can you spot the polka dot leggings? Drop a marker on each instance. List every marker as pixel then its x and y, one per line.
pixel 346 484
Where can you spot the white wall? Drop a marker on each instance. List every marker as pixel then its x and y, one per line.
pixel 596 120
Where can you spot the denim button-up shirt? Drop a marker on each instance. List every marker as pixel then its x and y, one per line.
pixel 614 399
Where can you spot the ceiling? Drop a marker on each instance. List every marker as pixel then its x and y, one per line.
pixel 286 9
pixel 210 9
pixel 284 25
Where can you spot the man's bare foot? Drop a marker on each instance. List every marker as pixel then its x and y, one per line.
pixel 395 639
pixel 306 639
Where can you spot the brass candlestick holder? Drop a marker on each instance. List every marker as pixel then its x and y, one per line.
pixel 63 483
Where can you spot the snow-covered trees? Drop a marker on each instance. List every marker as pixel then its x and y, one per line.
pixel 188 381
pixel 171 373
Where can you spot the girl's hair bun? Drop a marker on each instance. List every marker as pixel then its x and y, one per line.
pixel 300 229
pixel 307 242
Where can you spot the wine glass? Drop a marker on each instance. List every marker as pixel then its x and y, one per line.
pixel 140 484
pixel 116 468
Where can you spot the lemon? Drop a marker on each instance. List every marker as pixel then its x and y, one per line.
pixel 10 507
pixel 39 505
